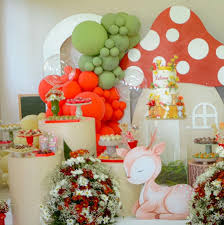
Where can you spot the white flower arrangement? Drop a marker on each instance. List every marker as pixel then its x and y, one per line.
pixel 206 207
pixel 54 94
pixel 83 193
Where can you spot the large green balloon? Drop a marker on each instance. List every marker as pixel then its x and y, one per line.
pixel 121 42
pixel 134 40
pixel 106 80
pixel 133 24
pixel 108 20
pixel 83 60
pixel 110 63
pixel 89 37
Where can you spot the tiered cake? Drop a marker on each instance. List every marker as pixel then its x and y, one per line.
pixel 164 102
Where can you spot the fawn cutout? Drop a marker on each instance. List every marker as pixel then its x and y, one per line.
pixel 143 165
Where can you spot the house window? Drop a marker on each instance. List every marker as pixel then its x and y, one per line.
pixel 204 115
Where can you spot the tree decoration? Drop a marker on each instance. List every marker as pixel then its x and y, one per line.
pixel 122 33
pixel 89 37
pixel 83 193
pixel 207 205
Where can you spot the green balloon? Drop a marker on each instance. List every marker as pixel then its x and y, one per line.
pixel 110 63
pixel 89 37
pixel 120 20
pixel 118 71
pixel 108 20
pixel 89 66
pixel 133 24
pixel 116 81
pixel 121 42
pixel 121 55
pixel 134 40
pixel 104 52
pixel 113 29
pixel 97 61
pixel 106 80
pixel 98 70
pixel 109 43
pixel 114 51
pixel 123 30
pixel 121 75
pixel 83 60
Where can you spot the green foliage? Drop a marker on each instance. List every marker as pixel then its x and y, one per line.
pixel 114 51
pixel 98 70
pixel 109 43
pixel 97 61
pixel 89 37
pixel 106 80
pixel 104 52
pixel 89 66
pixel 67 151
pixel 172 173
pixel 121 42
pixel 83 60
pixel 110 63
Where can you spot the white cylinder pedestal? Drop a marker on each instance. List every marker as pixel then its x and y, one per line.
pixel 28 185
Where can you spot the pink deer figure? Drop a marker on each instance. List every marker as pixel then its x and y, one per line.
pixel 143 165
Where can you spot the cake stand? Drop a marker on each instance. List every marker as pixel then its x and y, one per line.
pixel 78 102
pixel 10 128
pixel 29 135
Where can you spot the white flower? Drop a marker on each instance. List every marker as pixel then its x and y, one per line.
pixel 85 212
pixel 70 162
pixel 216 192
pixel 96 176
pixel 80 160
pixel 79 192
pixel 88 193
pixel 69 222
pixel 99 220
pixel 82 181
pixel 216 183
pixel 103 177
pixel 92 159
pixel 104 197
pixel 102 203
pixel 77 172
pixel 106 220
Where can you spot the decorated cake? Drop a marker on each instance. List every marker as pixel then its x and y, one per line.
pixel 164 101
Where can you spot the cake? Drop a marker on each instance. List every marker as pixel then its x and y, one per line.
pixel 164 100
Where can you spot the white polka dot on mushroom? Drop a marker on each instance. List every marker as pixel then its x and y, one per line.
pixel 221 75
pixel 198 48
pixel 163 61
pixel 172 35
pixel 179 14
pixel 151 41
pixel 183 67
pixel 134 54
pixel 220 52
pixel 134 76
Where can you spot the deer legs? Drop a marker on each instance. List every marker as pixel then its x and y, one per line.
pixel 145 211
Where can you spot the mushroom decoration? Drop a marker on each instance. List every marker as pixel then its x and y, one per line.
pixel 177 30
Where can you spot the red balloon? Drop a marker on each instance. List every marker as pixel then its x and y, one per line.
pixel 98 125
pixel 116 104
pixel 68 69
pixel 114 95
pixel 66 110
pixel 107 94
pixel 123 105
pixel 117 115
pixel 96 109
pixel 49 112
pixel 71 89
pixel 64 78
pixel 105 130
pixel 88 80
pixel 47 83
pixel 108 112
pixel 115 126
pixel 98 91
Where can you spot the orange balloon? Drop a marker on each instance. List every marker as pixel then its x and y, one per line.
pixel 96 109
pixel 123 105
pixel 64 78
pixel 106 130
pixel 66 110
pixel 48 112
pixel 108 112
pixel 68 69
pixel 98 91
pixel 116 104
pixel 107 94
pixel 88 80
pixel 71 89
pixel 115 126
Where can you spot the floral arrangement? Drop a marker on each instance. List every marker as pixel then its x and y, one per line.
pixel 172 63
pixel 207 205
pixel 172 82
pixel 180 101
pixel 4 208
pixel 83 193
pixel 54 95
pixel 219 133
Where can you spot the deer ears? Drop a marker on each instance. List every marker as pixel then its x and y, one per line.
pixel 159 148
pixel 122 152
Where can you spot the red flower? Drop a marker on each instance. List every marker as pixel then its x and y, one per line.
pixel 85 204
pixel 67 201
pixel 60 207
pixel 61 191
pixel 78 208
pixel 81 219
